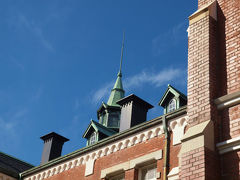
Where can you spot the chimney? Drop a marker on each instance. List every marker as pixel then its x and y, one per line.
pixel 133 111
pixel 52 148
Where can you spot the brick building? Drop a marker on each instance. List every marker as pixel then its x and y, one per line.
pixel 200 140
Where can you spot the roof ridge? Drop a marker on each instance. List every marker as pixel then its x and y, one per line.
pixel 19 160
pixel 102 126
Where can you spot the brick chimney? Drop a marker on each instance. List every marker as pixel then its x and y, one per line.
pixel 52 148
pixel 133 111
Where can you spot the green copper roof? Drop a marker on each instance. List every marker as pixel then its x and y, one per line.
pixel 98 127
pixel 117 92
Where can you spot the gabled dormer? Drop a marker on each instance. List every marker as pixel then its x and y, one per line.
pixel 172 100
pixel 96 132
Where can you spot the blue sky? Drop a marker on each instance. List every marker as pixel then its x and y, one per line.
pixel 59 60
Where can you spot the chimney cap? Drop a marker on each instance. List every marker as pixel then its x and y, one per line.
pixel 54 135
pixel 133 97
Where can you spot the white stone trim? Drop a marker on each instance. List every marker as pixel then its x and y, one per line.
pixel 209 9
pixel 173 174
pixel 229 145
pixel 201 135
pixel 89 167
pixel 177 126
pixel 154 156
pixel 127 142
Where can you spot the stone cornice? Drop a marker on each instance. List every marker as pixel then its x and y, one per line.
pixel 207 10
pixel 90 156
pixel 125 139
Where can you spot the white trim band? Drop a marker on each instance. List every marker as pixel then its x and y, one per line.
pixel 154 156
pixel 173 174
pixel 89 157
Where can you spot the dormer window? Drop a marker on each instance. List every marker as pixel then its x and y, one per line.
pixel 172 100
pixel 93 138
pixel 172 105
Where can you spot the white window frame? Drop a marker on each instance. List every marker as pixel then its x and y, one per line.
pixel 93 138
pixel 151 166
pixel 172 105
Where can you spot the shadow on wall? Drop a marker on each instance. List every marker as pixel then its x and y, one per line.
pixel 230 161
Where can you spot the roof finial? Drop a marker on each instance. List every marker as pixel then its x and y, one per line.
pixel 120 69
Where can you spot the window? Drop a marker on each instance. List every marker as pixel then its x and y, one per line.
pixel 148 172
pixel 114 119
pixel 172 105
pixel 93 138
pixel 102 119
pixel 118 177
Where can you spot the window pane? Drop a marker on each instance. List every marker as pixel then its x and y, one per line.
pixel 148 172
pixel 172 105
pixel 114 118
pixel 151 173
pixel 118 177
pixel 92 138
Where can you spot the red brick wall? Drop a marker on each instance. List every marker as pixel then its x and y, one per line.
pixel 174 151
pixel 201 70
pixel 199 164
pixel 131 174
pixel 228 32
pixel 203 85
pixel 201 3
pixel 229 28
pixel 114 159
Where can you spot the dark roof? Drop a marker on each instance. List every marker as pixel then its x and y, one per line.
pixel 135 98
pixel 54 135
pixel 12 166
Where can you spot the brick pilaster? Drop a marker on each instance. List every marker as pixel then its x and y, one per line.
pixel 198 159
pixel 201 70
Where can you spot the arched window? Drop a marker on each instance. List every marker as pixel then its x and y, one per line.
pixel 172 105
pixel 93 138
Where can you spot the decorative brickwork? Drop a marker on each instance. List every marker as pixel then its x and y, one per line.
pixel 111 160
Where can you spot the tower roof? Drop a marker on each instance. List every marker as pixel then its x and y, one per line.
pixel 117 92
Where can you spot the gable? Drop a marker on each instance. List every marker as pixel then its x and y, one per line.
pixel 170 94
